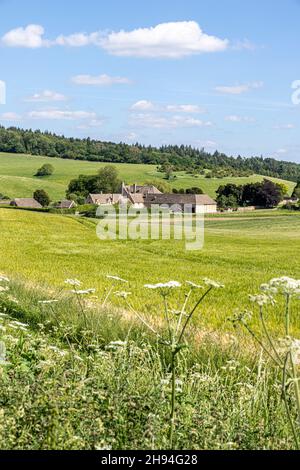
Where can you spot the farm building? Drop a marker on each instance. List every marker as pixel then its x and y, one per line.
pixel 194 203
pixel 65 204
pixel 105 199
pixel 133 195
pixel 26 203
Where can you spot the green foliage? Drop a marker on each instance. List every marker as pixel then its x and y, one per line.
pixel 173 158
pixel 42 197
pixel 296 192
pixel 45 170
pixel 266 194
pixel 106 182
pixel 105 384
pixel 193 190
pixel 16 173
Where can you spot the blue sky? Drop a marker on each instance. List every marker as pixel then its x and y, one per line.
pixel 214 73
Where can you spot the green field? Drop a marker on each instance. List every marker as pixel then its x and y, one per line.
pixel 241 252
pixel 17 176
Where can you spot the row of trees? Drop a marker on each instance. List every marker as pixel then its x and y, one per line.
pixel 264 194
pixel 172 157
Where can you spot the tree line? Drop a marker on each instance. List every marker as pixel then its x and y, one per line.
pixel 178 158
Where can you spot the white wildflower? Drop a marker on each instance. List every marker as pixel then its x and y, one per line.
pixel 212 283
pixel 4 278
pixel 286 285
pixel 117 344
pixel 122 294
pixel 168 285
pixel 262 299
pixel 116 278
pixel 84 292
pixel 165 382
pixel 193 285
pixel 73 282
pixel 48 302
pixel 4 289
pixel 17 323
pixel 58 351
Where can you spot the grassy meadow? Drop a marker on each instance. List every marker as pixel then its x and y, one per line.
pixel 17 176
pixel 96 378
pixel 242 252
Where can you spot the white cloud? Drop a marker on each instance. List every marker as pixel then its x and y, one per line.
pixel 185 108
pixel 245 44
pixel 237 118
pixel 78 40
pixel 143 105
pixel 31 37
pixel 45 97
pixel 162 122
pixel 284 126
pixel 281 151
pixel 58 114
pixel 10 116
pixel 101 80
pixel 166 40
pixel 238 89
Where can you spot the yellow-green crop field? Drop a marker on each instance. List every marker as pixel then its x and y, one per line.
pixel 242 252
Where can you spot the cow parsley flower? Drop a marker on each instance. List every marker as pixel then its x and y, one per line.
pixel 116 278
pixel 286 285
pixel 20 324
pixel 73 282
pixel 4 289
pixel 262 299
pixel 214 284
pixel 193 285
pixel 84 292
pixel 167 285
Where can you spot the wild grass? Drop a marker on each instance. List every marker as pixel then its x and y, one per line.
pixel 66 384
pixel 17 176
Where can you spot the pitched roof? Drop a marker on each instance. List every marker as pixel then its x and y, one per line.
pixel 103 199
pixel 28 203
pixel 137 198
pixel 170 199
pixel 65 204
pixel 138 189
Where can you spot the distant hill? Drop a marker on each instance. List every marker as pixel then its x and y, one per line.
pixel 17 176
pixel 15 140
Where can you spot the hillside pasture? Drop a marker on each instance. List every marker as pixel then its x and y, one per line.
pixel 17 176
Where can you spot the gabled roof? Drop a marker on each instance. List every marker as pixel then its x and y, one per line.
pixel 170 199
pixel 137 198
pixel 28 203
pixel 65 204
pixel 103 199
pixel 138 189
